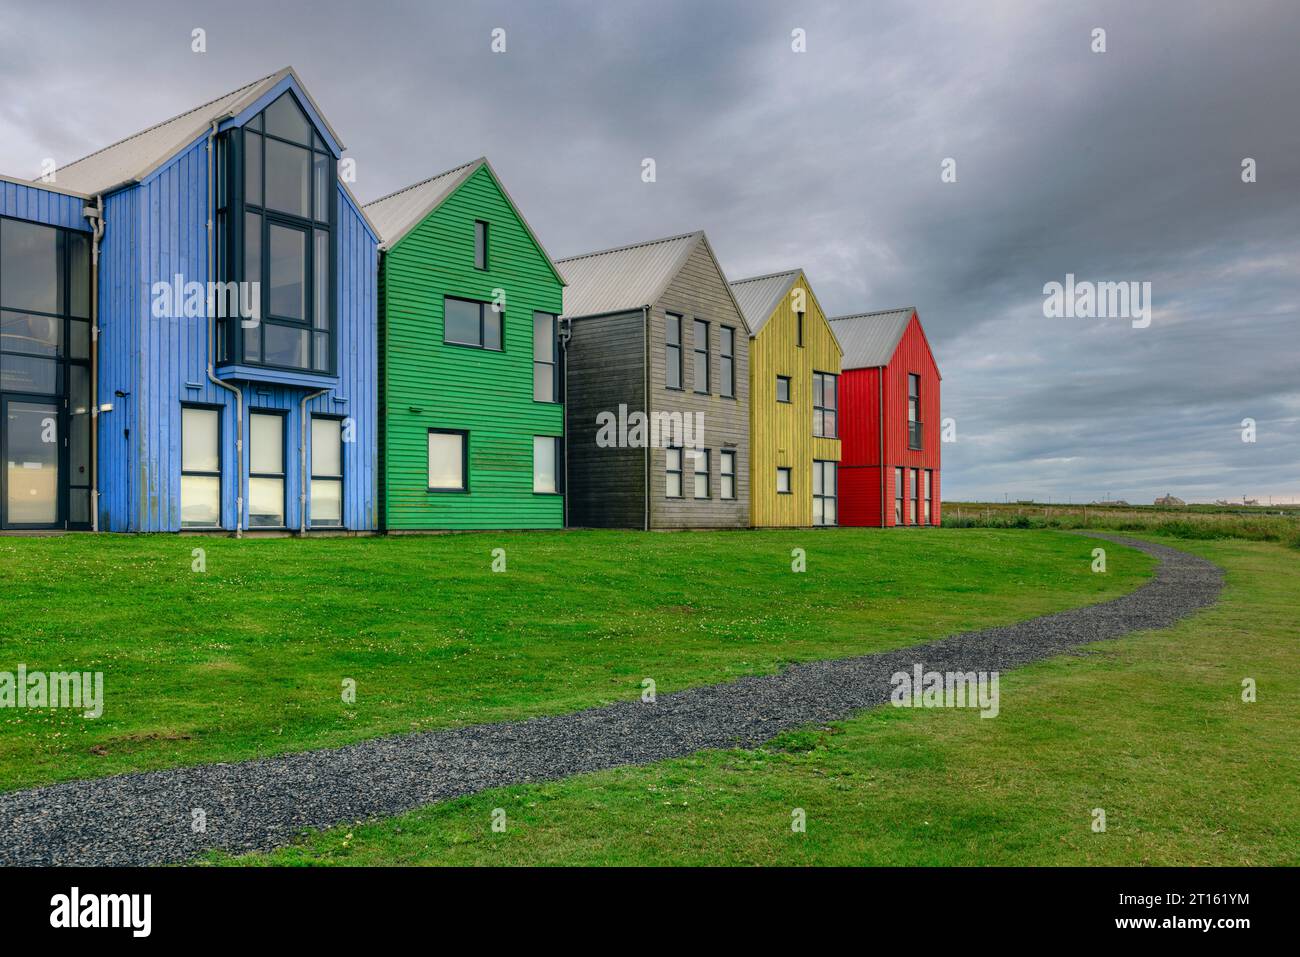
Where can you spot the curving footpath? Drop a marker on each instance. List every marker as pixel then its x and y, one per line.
pixel 145 818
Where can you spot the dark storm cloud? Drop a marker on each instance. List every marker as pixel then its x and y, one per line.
pixel 1116 166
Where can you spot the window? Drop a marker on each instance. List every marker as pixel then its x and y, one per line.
pixel 915 487
pixel 326 472
pixel 925 498
pixel 275 213
pixel 469 323
pixel 700 344
pixel 701 457
pixel 823 493
pixel 898 496
pixel 546 365
pixel 45 350
pixel 727 475
pixel 798 329
pixel 480 244
pixel 913 411
pixel 782 480
pixel 448 451
pixel 783 388
pixel 200 467
pixel 673 473
pixel 673 351
pixel 727 362
pixel 266 470
pixel 825 402
pixel 548 464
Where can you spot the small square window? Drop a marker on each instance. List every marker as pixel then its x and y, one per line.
pixel 782 480
pixel 447 461
pixel 783 388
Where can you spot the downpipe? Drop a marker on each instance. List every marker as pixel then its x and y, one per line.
pixel 212 342
pixel 96 215
pixel 302 459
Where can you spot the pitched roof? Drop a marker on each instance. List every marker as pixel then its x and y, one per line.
pixel 398 213
pixel 758 296
pixel 870 338
pixel 137 156
pixel 623 278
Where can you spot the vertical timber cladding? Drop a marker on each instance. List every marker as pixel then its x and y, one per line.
pixel 913 355
pixel 781 433
pixel 699 291
pixel 431 384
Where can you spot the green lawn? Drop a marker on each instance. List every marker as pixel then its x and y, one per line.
pixel 1150 728
pixel 249 657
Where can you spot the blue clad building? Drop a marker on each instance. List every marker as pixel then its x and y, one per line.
pixel 212 284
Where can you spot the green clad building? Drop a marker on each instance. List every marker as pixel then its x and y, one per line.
pixel 470 359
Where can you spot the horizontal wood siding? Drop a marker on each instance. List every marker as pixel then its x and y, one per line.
pixel 432 384
pixel 699 291
pixel 606 369
pixel 781 433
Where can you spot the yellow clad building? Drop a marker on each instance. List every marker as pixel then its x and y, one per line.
pixel 794 368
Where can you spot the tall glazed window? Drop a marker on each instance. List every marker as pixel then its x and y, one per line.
pixel 276 216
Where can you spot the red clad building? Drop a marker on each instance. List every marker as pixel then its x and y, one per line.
pixel 889 421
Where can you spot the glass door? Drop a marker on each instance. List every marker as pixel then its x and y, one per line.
pixel 31 445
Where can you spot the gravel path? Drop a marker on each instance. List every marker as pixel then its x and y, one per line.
pixel 146 818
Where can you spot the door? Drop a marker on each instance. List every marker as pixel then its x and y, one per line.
pixel 32 446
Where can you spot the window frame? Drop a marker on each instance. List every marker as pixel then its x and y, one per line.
pixel 698 455
pixel 726 456
pixel 282 476
pixel 789 389
pixel 900 496
pixel 219 474
pixel 483 308
pixel 234 208
pixel 915 489
pixel 927 496
pixel 554 363
pixel 820 380
pixel 799 326
pixel 821 467
pixel 727 361
pixel 313 476
pixel 558 441
pixel 789 480
pixel 64 360
pixel 914 413
pixel 463 489
pixel 696 352
pixel 669 348
pixel 482 233
pixel 679 471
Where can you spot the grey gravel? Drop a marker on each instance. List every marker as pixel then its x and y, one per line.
pixel 145 818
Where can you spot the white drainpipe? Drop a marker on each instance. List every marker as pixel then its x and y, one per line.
pixel 302 461
pixel 96 215
pixel 212 345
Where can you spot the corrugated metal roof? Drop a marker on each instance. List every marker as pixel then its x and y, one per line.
pixel 870 338
pixel 625 278
pixel 758 296
pixel 397 213
pixel 136 156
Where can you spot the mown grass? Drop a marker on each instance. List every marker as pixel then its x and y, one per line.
pixel 1151 728
pixel 248 658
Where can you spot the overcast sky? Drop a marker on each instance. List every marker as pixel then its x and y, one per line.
pixel 1115 166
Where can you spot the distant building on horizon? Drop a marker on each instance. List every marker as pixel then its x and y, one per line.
pixel 1169 501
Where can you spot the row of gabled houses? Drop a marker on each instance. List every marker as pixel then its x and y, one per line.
pixel 201 328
